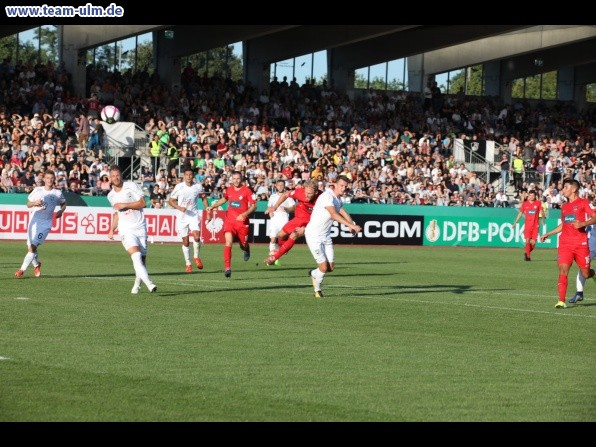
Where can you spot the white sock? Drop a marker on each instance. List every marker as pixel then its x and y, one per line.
pixel 28 258
pixel 580 282
pixel 186 252
pixel 35 261
pixel 137 283
pixel 318 276
pixel 273 247
pixel 197 248
pixel 140 269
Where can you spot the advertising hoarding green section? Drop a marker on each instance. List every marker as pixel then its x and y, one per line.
pixel 465 226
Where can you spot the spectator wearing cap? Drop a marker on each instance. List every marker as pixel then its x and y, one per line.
pixel 61 180
pixel 36 120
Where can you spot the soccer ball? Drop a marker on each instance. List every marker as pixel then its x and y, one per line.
pixel 110 114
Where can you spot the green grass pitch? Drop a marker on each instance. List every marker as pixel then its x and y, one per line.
pixel 402 335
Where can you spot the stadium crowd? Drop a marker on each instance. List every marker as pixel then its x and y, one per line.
pixel 397 147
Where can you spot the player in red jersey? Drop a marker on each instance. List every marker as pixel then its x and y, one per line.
pixel 531 209
pixel 241 204
pixel 576 215
pixel 305 199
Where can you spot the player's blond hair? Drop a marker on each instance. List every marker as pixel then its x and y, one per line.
pixel 311 184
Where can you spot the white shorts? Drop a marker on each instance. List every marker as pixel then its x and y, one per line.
pixel 188 224
pixel 135 238
pixel 321 249
pixel 38 232
pixel 275 225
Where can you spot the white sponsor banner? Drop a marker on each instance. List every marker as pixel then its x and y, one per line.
pixel 82 223
pixel 120 134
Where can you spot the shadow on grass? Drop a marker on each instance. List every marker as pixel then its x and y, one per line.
pixel 202 292
pixel 415 289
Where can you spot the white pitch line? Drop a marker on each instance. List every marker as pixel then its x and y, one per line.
pixel 4 358
pixel 22 298
pixel 379 297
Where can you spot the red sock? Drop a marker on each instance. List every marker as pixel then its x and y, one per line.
pixel 227 257
pixel 562 285
pixel 528 249
pixel 287 245
pixel 532 247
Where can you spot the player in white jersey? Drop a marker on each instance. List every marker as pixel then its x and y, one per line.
pixel 184 199
pixel 43 200
pixel 128 200
pixel 328 208
pixel 580 281
pixel 279 217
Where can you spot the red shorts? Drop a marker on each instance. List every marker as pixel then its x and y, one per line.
pixel 531 233
pixel 238 228
pixel 578 253
pixel 296 222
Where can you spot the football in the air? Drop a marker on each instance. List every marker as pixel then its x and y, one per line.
pixel 110 114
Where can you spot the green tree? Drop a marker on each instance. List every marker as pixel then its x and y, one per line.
pixel 549 85
pixel 469 79
pixel 219 61
pixel 144 57
pixel 321 80
pixel 456 82
pixel 517 88
pixel 536 87
pixel 591 92
pixel 105 56
pixel 8 47
pixel 48 38
pixel 396 84
pixel 377 83
pixel 360 81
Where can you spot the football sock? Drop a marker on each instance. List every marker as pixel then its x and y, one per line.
pixel 28 258
pixel 35 261
pixel 186 252
pixel 318 276
pixel 273 247
pixel 286 246
pixel 140 269
pixel 196 246
pixel 562 286
pixel 580 282
pixel 227 252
